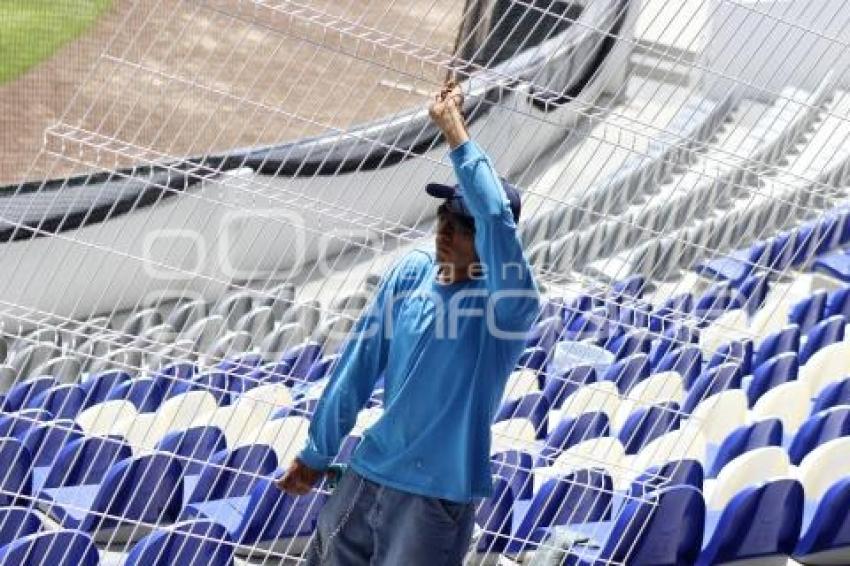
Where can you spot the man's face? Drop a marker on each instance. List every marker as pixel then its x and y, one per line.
pixel 455 241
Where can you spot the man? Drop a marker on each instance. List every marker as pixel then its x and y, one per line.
pixel 445 335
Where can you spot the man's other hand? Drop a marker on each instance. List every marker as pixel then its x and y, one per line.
pixel 446 111
pixel 299 479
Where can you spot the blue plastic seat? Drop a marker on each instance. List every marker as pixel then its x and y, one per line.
pixel 820 428
pixel 18 423
pixel 686 361
pixel 146 393
pixel 631 287
pixel 759 522
pixel 736 351
pixel 834 394
pixel 56 548
pixel 108 499
pixel 495 515
pixel 239 492
pixel 175 374
pixel 592 325
pixel 535 358
pixel 515 467
pixel 826 332
pixel 63 401
pixel 571 431
pixel 637 314
pixel 545 333
pixel 23 392
pixel 635 341
pixel 321 368
pixel 190 543
pixel 296 362
pixel 44 441
pixel 238 368
pixel 628 372
pixel 808 311
pixel 767 432
pixel 557 388
pixel 98 386
pixel 17 522
pixel 216 382
pixel 194 446
pixel 665 531
pixel 581 497
pixel 669 474
pixel 754 290
pixel 836 265
pixel 15 479
pixel 646 424
pixel 672 338
pixel 838 303
pixel 302 408
pixel 532 406
pixel 785 340
pixel 775 371
pixel 735 266
pixel 807 240
pixel 671 311
pixel 712 381
pixel 780 252
pixel 716 300
pixel 826 538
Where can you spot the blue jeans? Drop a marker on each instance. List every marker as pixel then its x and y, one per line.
pixel 364 523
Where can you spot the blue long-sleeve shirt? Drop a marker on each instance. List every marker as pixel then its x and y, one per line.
pixel 446 352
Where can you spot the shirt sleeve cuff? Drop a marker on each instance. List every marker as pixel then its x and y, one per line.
pixel 467 151
pixel 314 460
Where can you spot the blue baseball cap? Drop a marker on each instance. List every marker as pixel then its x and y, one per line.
pixel 454 198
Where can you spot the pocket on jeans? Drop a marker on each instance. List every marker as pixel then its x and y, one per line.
pixel 451 510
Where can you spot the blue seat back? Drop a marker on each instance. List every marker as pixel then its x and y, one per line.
pixel 545 333
pixel 628 372
pixel 560 386
pixel 838 303
pixel 759 522
pixel 322 368
pixel 17 424
pixel 667 531
pixel 515 467
pixel 648 423
pixel 234 472
pixel 669 474
pixel 571 431
pixel 194 446
pixel 299 359
pixel 22 393
pixel 736 351
pixel 822 334
pixel 86 461
pixel 711 382
pixel 56 548
pixel 767 432
pixel 15 478
pixel 44 441
pixel 780 369
pixel 63 401
pixel 818 429
pixel 146 393
pixel 495 516
pixel 834 394
pixel 532 406
pixel 98 386
pixel 17 522
pixel 785 340
pixel 808 311
pixel 686 361
pixel 190 543
pixel 829 528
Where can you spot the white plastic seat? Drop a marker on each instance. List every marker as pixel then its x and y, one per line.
pixel 772 316
pixel 827 365
pixel 686 443
pixel 177 413
pixel 658 388
pixel 729 326
pixel 752 467
pixel 520 383
pixel 600 396
pixel 513 434
pixel 251 410
pixel 824 466
pixel 104 418
pixel 287 436
pixel 720 414
pixel 606 453
pixel 788 402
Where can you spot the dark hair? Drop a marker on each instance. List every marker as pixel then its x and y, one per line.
pixel 464 222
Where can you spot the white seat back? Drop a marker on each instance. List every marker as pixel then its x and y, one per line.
pixel 827 365
pixel 720 414
pixel 824 466
pixel 788 402
pixel 109 417
pixel 520 383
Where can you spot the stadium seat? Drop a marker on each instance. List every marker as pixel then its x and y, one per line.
pixel 602 396
pixel 686 361
pixel 18 522
pixel 833 395
pixel 628 371
pixel 63 401
pixel 558 387
pixel 673 473
pixel 646 424
pixel 835 265
pixel 54 547
pixel 583 496
pixel 545 333
pixel 720 414
pixel 193 446
pixel 665 530
pixel 712 381
pixel 100 419
pixel 685 443
pixel 178 413
pixel 189 543
pixel 520 433
pixel 838 303
pixel 828 365
pixel 97 386
pixel 533 407
pixel 145 393
pixel 571 431
pixel 25 391
pixel 818 429
pixel 809 311
pixel 109 499
pixel 515 467
pixel 247 413
pixel 520 383
pixel 823 333
pixel 825 475
pixel 604 453
pixel 494 518
pixel 737 351
pixel 15 480
pixel 636 341
pixel 44 441
pixel 751 467
pixel 775 371
pixel 788 402
pixel 759 523
pixel 745 438
pixel 785 340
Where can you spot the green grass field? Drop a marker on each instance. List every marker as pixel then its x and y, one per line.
pixel 32 30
